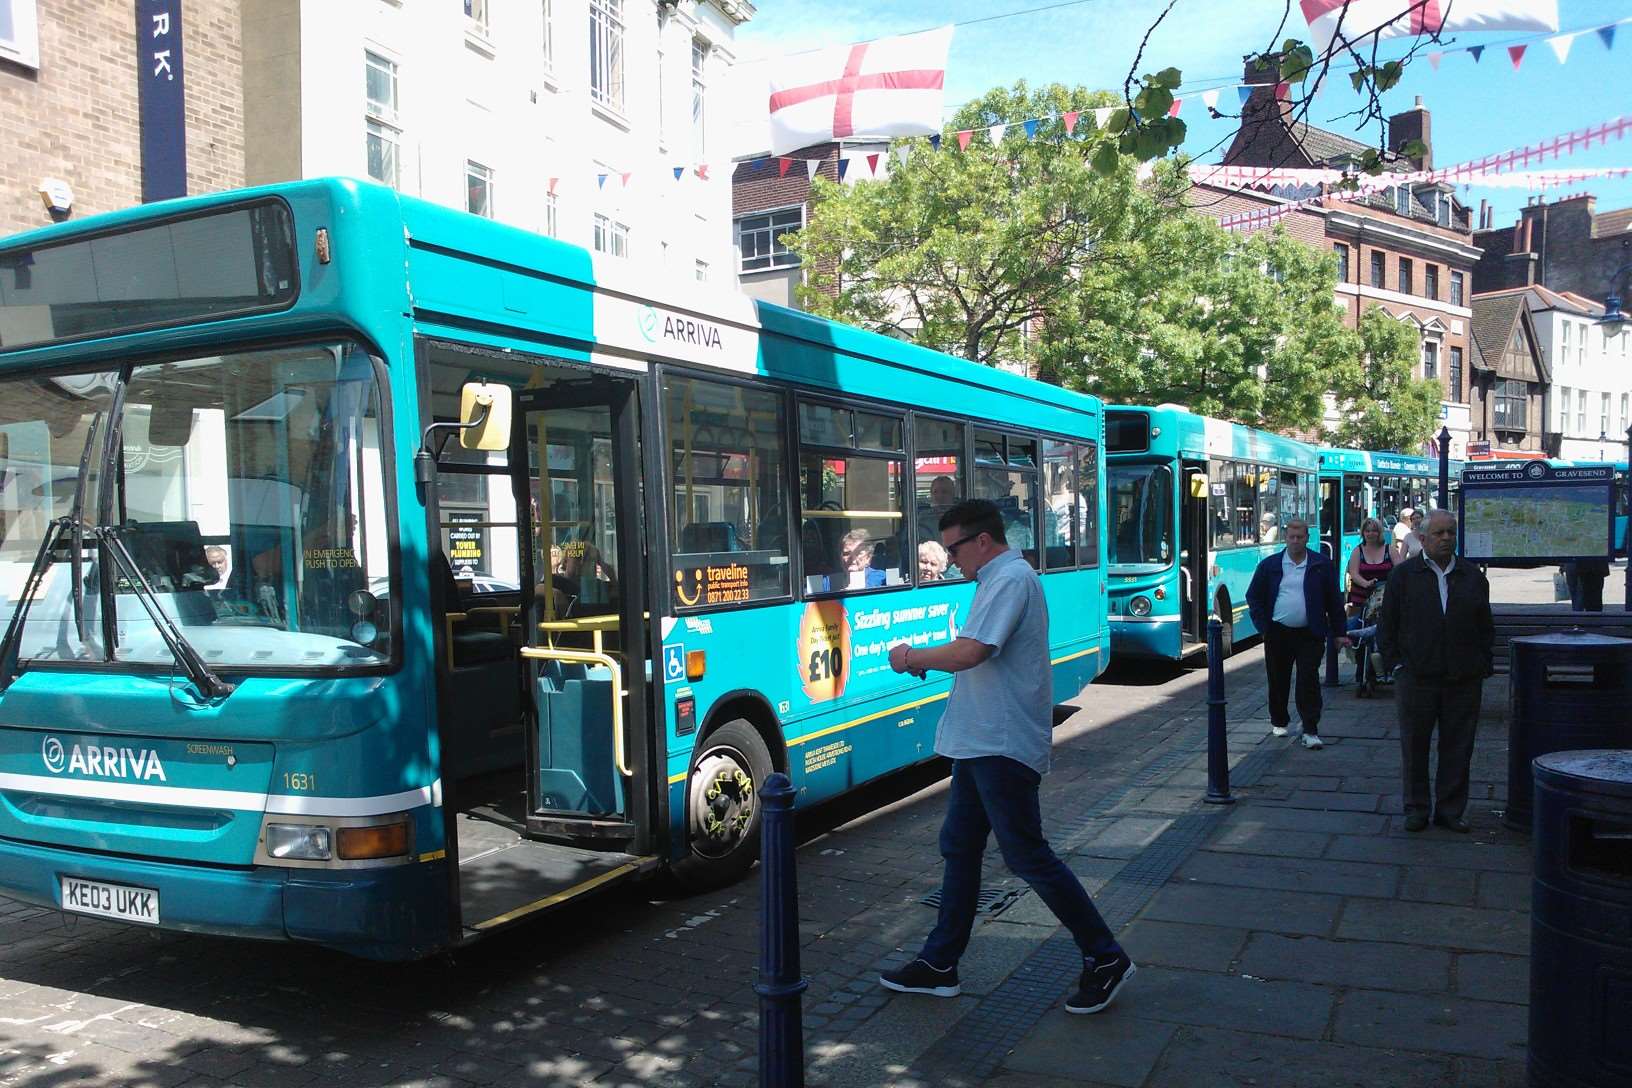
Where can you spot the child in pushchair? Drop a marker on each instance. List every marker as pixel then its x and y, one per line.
pixel 1362 632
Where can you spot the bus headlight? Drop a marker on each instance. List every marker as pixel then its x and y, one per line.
pixel 1139 606
pixel 299 842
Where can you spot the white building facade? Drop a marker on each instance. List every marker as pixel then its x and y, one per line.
pixel 566 117
pixel 1589 404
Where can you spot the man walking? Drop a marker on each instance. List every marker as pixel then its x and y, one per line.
pixel 1436 635
pixel 997 730
pixel 1294 601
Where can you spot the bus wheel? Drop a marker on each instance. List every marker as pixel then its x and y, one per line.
pixel 722 807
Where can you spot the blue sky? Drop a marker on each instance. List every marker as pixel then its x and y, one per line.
pixel 1476 108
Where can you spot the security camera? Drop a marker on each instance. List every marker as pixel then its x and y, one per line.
pixel 58 197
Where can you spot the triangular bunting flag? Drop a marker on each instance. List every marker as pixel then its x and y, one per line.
pixel 1516 54
pixel 997 132
pixel 600 181
pixel 935 142
pixel 1031 130
pixel 553 183
pixel 872 164
pixel 1434 59
pixel 678 170
pixel 1173 110
pixel 1476 51
pixel 1102 116
pixel 1561 46
pixel 902 153
pixel 1606 34
pixel 1245 92
pixel 963 139
pixel 782 166
pixel 626 178
pixel 1070 120
pixel 1283 91
pixel 702 170
pixel 811 166
pixel 1209 99
pixel 844 167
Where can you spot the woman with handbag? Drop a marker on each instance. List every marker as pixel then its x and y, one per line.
pixel 1369 567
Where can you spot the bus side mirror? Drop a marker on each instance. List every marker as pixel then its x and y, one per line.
pixel 484 416
pixel 1198 485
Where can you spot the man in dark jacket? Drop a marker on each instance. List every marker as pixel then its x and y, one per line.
pixel 1436 635
pixel 1294 601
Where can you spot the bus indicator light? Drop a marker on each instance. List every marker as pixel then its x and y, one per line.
pixel 362 843
pixel 696 663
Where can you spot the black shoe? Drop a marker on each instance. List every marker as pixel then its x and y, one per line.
pixel 918 977
pixel 1416 821
pixel 1100 982
pixel 1454 823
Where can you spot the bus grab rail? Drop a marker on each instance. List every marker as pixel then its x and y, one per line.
pixel 591 657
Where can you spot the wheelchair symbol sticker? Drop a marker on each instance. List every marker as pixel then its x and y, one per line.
pixel 674 662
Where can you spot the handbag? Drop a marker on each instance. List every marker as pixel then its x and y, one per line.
pixel 1561 586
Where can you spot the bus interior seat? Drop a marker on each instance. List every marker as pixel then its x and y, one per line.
pixel 709 536
pixel 484 686
pixel 473 643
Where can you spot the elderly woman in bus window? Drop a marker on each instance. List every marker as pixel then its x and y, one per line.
pixel 931 561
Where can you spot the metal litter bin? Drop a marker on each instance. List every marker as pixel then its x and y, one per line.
pixel 1581 921
pixel 1567 691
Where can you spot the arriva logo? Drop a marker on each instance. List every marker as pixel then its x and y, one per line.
pixel 648 324
pixel 137 763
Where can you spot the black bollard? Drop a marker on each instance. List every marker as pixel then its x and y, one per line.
pixel 781 1027
pixel 1218 743
pixel 1332 680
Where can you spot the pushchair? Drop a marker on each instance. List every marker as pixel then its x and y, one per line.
pixel 1362 632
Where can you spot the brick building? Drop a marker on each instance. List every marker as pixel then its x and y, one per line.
pixel 1568 246
pixel 1408 249
pixel 767 203
pixel 68 108
pixel 1508 388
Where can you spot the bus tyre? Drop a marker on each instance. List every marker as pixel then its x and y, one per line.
pixel 722 807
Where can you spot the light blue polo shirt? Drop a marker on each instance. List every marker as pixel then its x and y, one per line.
pixel 1005 705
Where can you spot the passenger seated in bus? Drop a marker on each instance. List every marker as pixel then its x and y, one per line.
pixel 855 569
pixel 943 495
pixel 1268 531
pixel 931 561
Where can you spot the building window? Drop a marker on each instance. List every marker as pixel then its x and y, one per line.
pixel 478 189
pixel 1603 418
pixel 1442 210
pixel 699 92
pixel 384 134
pixel 1565 339
pixel 606 52
pixel 702 271
pixel 1581 411
pixel 476 18
pixel 1564 410
pixel 852 499
pixel 1430 281
pixel 1342 252
pixel 610 237
pixel 1510 404
pixel 19 32
pixel 1456 374
pixel 1623 412
pixel 759 239
pixel 549 35
pixel 1377 269
pixel 552 212
pixel 1402 199
pixel 1404 286
pixel 1430 360
pixel 1456 288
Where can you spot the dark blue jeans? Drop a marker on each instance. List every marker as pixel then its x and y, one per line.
pixel 997 794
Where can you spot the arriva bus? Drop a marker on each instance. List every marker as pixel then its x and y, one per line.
pixel 379 575
pixel 1192 505
pixel 1357 484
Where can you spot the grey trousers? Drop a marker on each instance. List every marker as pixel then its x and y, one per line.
pixel 1452 708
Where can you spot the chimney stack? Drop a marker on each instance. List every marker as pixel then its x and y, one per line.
pixel 1412 124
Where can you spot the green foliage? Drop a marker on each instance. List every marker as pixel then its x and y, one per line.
pixel 1383 404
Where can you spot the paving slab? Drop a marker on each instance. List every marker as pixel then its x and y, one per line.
pixel 1226 1001
pixel 1431 848
pixel 1252 908
pixel 1103 1048
pixel 1487 976
pixel 1292 874
pixel 886 1044
pixel 1430 885
pixel 1480 1029
pixel 1358 964
pixel 1332 802
pixel 1177 944
pixel 1255 837
pixel 1335 823
pixel 1436 925
pixel 1211 1058
pixel 1505 891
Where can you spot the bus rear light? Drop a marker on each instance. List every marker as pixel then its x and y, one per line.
pixel 365 843
pixel 299 842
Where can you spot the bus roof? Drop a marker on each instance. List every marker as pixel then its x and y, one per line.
pixel 1178 432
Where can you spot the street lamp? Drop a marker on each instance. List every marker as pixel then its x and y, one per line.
pixel 1613 322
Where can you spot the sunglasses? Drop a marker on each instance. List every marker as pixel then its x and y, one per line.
pixel 952 548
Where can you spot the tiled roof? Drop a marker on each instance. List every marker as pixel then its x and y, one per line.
pixel 1539 297
pixel 1610 223
pixel 1493 318
pixel 1476 358
pixel 1323 147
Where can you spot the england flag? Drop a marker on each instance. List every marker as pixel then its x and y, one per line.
pixel 888 87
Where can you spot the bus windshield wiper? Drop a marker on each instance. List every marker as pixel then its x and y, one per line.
pixel 185 653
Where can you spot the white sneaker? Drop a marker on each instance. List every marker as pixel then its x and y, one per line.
pixel 1312 740
pixel 1277 730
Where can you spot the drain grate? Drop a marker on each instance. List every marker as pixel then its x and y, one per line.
pixel 990 900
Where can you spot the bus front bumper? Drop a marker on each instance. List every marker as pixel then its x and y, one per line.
pixel 391 913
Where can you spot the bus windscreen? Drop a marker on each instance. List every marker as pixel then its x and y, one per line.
pixel 218 264
pixel 1127 432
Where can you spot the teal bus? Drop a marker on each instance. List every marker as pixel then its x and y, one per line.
pixel 378 576
pixel 1357 484
pixel 1191 506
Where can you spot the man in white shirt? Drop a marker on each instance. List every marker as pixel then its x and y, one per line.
pixel 1294 601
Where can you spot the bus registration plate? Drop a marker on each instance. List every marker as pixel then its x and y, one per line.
pixel 119 901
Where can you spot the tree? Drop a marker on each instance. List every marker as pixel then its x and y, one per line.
pixel 1382 404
